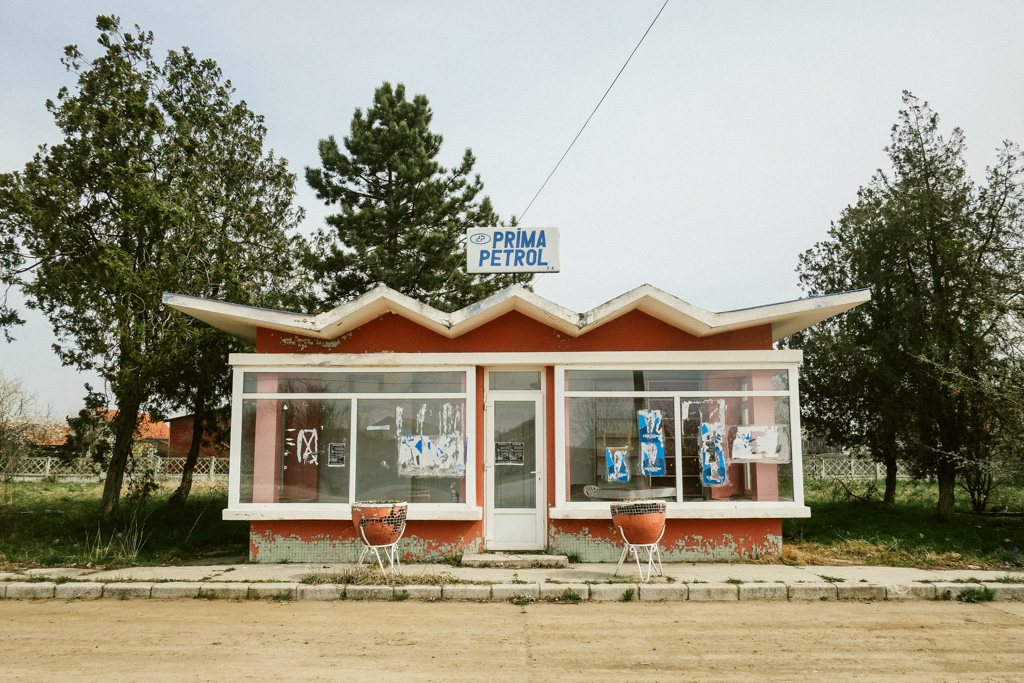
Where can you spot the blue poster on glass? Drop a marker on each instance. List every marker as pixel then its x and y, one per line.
pixel 712 453
pixel 652 442
pixel 617 464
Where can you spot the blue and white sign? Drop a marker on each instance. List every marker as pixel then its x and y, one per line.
pixel 512 250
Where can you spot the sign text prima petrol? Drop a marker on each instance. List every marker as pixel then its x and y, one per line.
pixel 512 250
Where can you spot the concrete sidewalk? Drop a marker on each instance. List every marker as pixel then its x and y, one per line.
pixel 682 581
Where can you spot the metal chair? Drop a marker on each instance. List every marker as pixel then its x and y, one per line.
pixel 387 526
pixel 644 519
pixel 390 551
pixel 653 551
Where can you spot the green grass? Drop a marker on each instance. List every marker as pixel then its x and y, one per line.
pixel 842 529
pixel 976 595
pixel 569 596
pixel 55 524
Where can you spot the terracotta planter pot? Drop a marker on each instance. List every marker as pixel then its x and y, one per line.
pixel 383 522
pixel 642 521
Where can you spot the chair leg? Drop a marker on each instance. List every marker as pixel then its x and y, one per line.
pixel 622 557
pixel 657 550
pixel 639 569
pixel 376 551
pixel 362 555
pixel 391 552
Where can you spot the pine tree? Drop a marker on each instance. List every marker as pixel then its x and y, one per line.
pixel 403 216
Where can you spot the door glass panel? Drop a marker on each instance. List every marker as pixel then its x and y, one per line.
pixel 515 454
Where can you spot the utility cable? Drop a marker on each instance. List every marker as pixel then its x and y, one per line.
pixel 520 217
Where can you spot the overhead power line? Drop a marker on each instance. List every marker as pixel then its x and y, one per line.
pixel 593 112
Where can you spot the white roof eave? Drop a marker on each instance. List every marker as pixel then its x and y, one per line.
pixel 785 318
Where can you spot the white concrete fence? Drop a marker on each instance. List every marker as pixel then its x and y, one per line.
pixel 816 467
pixel 53 468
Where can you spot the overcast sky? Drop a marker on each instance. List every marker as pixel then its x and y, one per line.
pixel 737 133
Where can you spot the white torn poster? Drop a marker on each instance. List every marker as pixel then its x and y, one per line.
pixel 440 455
pixel 758 444
pixel 712 454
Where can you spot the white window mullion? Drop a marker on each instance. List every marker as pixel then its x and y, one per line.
pixel 354 437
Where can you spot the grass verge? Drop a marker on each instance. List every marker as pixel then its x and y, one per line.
pixel 44 524
pixel 844 529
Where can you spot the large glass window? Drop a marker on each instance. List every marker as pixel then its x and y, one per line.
pixel 380 436
pixel 295 450
pixel 678 435
pixel 413 450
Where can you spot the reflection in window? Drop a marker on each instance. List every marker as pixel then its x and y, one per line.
pixel 295 451
pixel 410 449
pixel 730 448
pixel 301 449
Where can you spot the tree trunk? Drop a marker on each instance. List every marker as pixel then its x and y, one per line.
pixel 125 422
pixel 946 472
pixel 180 495
pixel 891 469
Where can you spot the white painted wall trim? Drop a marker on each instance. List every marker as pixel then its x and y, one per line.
pixel 770 358
pixel 342 512
pixel 696 511
pixel 675 511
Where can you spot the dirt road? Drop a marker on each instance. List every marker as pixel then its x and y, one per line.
pixel 196 640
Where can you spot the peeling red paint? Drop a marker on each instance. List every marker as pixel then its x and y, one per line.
pixel 337 540
pixel 685 540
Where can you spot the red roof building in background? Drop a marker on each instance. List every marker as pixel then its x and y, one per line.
pixel 149 430
pixel 215 441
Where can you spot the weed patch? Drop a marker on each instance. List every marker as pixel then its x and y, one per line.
pixel 976 595
pixel 569 596
pixel 372 576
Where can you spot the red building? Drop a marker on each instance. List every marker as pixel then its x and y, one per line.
pixel 214 444
pixel 511 424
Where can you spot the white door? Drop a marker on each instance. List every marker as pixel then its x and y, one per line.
pixel 514 473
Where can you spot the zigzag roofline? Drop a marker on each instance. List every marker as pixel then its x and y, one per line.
pixel 785 318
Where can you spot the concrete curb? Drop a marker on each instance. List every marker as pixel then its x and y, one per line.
pixel 919 591
pixel 612 592
pixel 273 591
pixel 505 592
pixel 813 591
pixel 175 590
pixel 763 591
